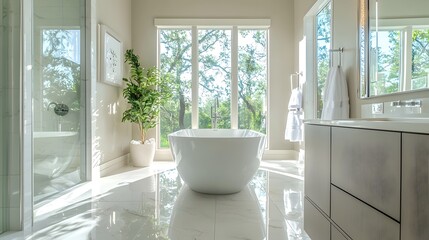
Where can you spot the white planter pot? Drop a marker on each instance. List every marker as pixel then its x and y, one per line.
pixel 142 154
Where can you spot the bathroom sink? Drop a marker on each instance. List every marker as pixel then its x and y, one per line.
pixel 412 125
pixel 410 120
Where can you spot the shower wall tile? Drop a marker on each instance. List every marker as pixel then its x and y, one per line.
pixel 12 101
pixel 14 188
pixel 71 13
pixel 47 2
pixel 3 180
pixel 14 219
pixel 2 225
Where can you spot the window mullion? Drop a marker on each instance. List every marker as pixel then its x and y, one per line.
pixel 234 78
pixel 195 77
pixel 406 63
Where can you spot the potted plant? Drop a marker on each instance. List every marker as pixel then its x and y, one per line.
pixel 146 91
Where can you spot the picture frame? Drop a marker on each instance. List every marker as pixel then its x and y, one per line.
pixel 110 57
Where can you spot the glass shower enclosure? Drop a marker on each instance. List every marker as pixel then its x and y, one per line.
pixel 10 115
pixel 58 97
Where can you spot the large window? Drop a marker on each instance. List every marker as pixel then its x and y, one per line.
pixel 323 44
pixel 216 67
pixel 252 79
pixel 214 64
pixel 176 59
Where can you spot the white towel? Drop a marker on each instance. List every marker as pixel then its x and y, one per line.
pixel 293 130
pixel 336 97
pixel 295 100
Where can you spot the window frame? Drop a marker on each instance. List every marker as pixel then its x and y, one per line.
pixel 406 27
pixel 315 53
pixel 235 25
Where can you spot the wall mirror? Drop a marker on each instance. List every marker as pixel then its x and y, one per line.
pixel 393 46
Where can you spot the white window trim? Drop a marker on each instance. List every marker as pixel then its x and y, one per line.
pixel 189 22
pixel 405 26
pixel 234 25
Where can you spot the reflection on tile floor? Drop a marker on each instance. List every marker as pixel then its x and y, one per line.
pixel 142 204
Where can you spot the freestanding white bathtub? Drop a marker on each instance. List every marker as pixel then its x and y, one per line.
pixel 217 161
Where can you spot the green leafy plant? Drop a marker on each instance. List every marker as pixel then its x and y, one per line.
pixel 146 91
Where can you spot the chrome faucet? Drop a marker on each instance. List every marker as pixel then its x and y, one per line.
pixel 214 114
pixel 407 103
pixel 52 103
pixel 60 108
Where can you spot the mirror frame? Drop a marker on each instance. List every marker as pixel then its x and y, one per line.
pixel 363 53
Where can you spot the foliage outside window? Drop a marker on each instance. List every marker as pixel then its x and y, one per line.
pixel 323 44
pixel 385 51
pixel 420 59
pixel 61 70
pixel 252 80
pixel 214 59
pixel 393 71
pixel 176 59
pixel 214 76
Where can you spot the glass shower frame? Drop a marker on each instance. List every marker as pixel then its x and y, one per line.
pixel 10 115
pixel 59 82
pixel 25 213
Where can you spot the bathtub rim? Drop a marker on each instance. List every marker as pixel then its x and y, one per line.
pixel 257 134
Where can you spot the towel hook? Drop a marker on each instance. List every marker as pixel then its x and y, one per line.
pixel 340 52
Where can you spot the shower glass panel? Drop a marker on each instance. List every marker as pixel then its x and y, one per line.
pixel 9 115
pixel 58 96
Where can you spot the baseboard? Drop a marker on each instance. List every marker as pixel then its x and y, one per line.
pixel 112 165
pixel 280 155
pixel 165 155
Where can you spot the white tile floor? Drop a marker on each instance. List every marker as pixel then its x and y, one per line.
pixel 153 203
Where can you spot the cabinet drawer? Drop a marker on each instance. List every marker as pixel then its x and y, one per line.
pixel 361 221
pixel 315 224
pixel 336 235
pixel 415 187
pixel 366 164
pixel 317 165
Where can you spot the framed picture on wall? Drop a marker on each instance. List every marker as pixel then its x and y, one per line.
pixel 111 57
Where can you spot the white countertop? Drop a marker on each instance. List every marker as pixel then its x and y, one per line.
pixel 411 125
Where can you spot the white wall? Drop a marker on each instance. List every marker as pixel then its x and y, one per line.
pixel 281 42
pixel 112 137
pixel 344 34
pixel 402 9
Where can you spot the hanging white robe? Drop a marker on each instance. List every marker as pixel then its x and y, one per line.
pixel 293 130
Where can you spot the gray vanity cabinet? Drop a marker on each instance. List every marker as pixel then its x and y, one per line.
pixel 367 165
pixel 359 220
pixel 317 166
pixel 336 235
pixel 378 183
pixel 315 224
pixel 415 186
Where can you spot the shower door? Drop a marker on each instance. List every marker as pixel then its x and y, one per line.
pixel 58 90
pixel 10 174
